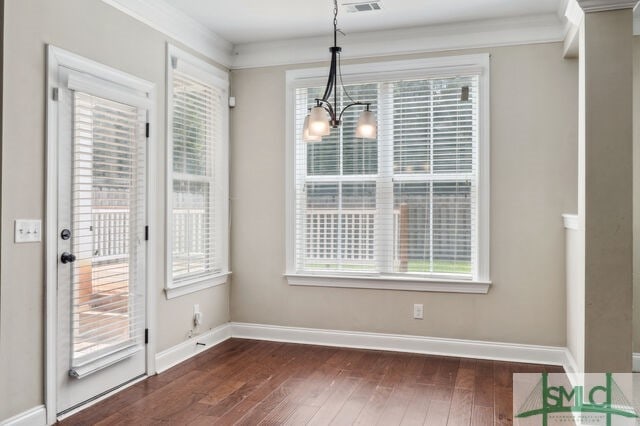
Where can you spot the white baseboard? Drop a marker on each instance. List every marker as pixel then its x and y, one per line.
pixel 570 365
pixel 37 416
pixel 636 363
pixel 533 354
pixel 399 343
pixel 185 350
pixel 571 368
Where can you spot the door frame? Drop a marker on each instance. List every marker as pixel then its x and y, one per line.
pixel 57 57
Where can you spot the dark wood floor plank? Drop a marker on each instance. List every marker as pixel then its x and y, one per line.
pixel 305 367
pixel 352 407
pixel 403 391
pixel 461 407
pixel 341 393
pixel 416 411
pixel 372 411
pixel 503 374
pixel 468 363
pixel 429 370
pixel 302 415
pixel 503 409
pixel 438 413
pixel 447 372
pixel 482 416
pixel 465 379
pixel 270 403
pixel 397 404
pixel 248 382
pixel 484 383
pixel 367 390
pixel 286 366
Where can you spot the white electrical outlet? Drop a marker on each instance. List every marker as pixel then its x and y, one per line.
pixel 197 315
pixel 418 311
pixel 28 231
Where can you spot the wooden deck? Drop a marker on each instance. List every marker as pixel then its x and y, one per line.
pixel 250 382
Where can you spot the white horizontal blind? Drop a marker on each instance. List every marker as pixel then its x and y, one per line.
pixel 108 211
pixel 405 203
pixel 197 132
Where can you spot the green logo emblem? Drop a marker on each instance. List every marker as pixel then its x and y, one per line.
pixel 605 399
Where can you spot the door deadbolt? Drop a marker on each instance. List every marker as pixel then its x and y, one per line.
pixel 65 234
pixel 67 257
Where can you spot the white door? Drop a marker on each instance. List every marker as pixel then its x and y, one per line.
pixel 102 163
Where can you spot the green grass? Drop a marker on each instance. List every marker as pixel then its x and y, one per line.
pixel 446 266
pixel 415 266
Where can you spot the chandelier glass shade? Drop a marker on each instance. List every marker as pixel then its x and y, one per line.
pixel 324 116
pixel 305 133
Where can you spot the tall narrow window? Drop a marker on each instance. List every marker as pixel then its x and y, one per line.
pixel 198 169
pixel 408 204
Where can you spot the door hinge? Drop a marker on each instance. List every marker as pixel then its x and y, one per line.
pixel 54 94
pixel 146 336
pixel 147 131
pixel 146 233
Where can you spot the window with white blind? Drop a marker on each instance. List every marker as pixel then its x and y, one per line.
pixel 198 168
pixel 409 209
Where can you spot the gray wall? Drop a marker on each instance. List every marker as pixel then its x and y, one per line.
pixel 534 123
pixel 534 169
pixel 99 32
pixel 636 194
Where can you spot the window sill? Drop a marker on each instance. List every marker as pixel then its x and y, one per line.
pixel 390 283
pixel 196 285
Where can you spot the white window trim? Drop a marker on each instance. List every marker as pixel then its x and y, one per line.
pixel 394 70
pixel 220 79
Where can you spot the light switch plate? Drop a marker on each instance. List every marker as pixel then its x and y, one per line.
pixel 418 311
pixel 28 231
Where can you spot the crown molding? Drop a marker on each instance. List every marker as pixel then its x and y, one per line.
pixel 572 14
pixel 169 20
pixel 467 35
pixel 604 5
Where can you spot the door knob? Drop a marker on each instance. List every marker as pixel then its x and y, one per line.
pixel 67 257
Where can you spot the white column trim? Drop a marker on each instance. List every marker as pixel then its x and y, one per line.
pixel 604 5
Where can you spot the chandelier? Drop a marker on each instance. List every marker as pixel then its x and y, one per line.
pixel 324 115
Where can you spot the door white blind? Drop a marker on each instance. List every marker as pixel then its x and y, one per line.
pixel 197 131
pixel 405 203
pixel 108 216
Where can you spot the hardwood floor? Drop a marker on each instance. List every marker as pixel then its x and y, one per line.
pixel 248 382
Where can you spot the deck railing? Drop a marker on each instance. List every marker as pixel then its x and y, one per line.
pixel 111 233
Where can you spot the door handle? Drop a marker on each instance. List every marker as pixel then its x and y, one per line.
pixel 67 257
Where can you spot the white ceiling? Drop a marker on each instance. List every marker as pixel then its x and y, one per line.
pixel 247 21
